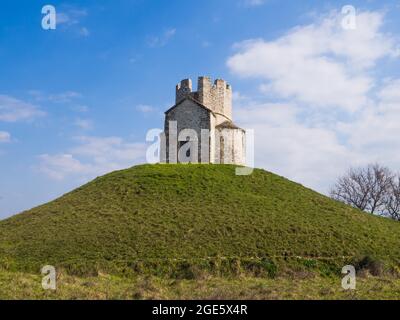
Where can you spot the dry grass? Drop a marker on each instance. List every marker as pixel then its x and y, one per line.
pixel 26 286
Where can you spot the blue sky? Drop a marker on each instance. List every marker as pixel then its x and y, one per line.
pixel 77 101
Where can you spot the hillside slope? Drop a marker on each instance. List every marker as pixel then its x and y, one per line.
pixel 178 218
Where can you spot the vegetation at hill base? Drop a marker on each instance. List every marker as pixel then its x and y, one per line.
pixel 16 285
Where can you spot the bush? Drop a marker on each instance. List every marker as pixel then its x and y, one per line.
pixel 370 264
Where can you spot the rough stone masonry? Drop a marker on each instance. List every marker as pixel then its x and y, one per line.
pixel 199 127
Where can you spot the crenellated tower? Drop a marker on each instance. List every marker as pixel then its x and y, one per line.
pixel 183 90
pixel 216 96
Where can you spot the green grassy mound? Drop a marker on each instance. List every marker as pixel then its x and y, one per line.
pixel 183 220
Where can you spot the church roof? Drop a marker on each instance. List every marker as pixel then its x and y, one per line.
pixel 228 125
pixel 192 99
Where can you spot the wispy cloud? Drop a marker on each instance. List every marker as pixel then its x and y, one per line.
pixel 61 165
pixel 5 137
pixel 84 32
pixel 161 40
pixel 70 18
pixel 84 124
pixel 80 108
pixel 206 44
pixel 62 97
pixel 252 3
pixel 144 108
pixel 92 156
pixel 13 110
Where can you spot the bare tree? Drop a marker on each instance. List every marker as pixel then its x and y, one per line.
pixel 352 189
pixel 380 180
pixel 364 188
pixel 392 203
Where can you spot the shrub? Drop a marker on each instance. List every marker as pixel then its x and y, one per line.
pixel 370 264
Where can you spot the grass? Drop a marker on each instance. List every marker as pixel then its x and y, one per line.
pixel 15 285
pixel 186 221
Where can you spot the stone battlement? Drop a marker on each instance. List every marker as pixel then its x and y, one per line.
pixel 216 96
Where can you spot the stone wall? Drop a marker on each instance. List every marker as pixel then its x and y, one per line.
pixel 188 115
pixel 230 146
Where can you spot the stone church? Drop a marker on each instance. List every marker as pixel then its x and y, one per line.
pixel 199 128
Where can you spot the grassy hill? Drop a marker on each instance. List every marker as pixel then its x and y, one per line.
pixel 181 220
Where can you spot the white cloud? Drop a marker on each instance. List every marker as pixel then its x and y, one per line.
pixel 84 32
pixel 12 109
pixel 84 124
pixel 162 40
pixel 145 108
pixel 390 93
pixel 374 133
pixel 60 165
pixel 284 144
pixel 5 137
pixel 80 108
pixel 92 156
pixel 253 3
pixel 61 97
pixel 321 65
pixel 330 111
pixel 313 153
pixel 70 17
